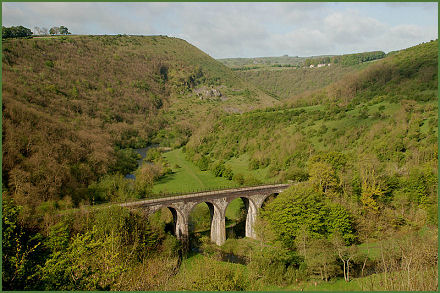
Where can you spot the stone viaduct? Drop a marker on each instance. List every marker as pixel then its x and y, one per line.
pixel 217 201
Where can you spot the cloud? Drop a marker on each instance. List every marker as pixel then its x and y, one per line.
pixel 348 32
pixel 244 29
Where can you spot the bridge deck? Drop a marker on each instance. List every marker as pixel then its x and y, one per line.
pixel 202 194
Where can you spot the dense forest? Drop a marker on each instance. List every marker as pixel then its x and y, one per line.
pixel 358 143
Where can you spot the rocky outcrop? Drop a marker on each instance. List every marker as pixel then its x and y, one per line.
pixel 205 93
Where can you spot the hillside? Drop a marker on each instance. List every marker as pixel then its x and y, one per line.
pixel 71 105
pixel 287 77
pixel 337 117
pixel 382 119
pixel 289 82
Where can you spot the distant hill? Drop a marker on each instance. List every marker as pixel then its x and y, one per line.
pixel 263 61
pixel 284 77
pixel 290 82
pixel 70 103
pixel 296 61
pixel 266 62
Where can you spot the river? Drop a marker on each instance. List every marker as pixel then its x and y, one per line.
pixel 143 153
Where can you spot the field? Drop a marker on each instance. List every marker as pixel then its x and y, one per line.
pixel 187 177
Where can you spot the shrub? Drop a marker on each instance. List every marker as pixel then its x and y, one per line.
pixel 251 180
pixel 210 275
pixel 228 174
pixel 254 164
pixel 239 178
pixel 218 169
pixel 153 154
pixel 295 174
pixel 126 161
pixel 49 63
pixel 203 163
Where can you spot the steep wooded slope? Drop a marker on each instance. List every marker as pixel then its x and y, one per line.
pixel 69 103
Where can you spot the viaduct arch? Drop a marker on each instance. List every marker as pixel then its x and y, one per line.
pixel 218 201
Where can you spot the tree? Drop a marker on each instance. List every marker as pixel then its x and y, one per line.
pixel 297 207
pixel 371 189
pixel 153 155
pixel 6 32
pixel 239 178
pixel 320 258
pixel 323 176
pixel 41 30
pixel 21 249
pixel 145 177
pixel 126 161
pixel 340 221
pixel 54 30
pixel 64 30
pixel 37 30
pixel 88 263
pixel 345 253
pixel 16 32
pixel 228 174
pixel 203 163
pixel 218 169
pixel 302 209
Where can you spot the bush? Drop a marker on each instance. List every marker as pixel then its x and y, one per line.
pixel 153 154
pixel 203 163
pixel 83 265
pixel 272 265
pixel 22 250
pixel 251 180
pixel 126 161
pixel 295 174
pixel 210 275
pixel 16 32
pixel 110 188
pixel 218 169
pixel 254 164
pixel 49 63
pixel 239 178
pixel 228 174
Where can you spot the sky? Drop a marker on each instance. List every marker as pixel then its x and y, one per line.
pixel 260 29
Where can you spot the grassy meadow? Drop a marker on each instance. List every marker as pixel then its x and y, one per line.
pixel 187 177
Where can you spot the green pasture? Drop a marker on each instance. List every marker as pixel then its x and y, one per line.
pixel 187 177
